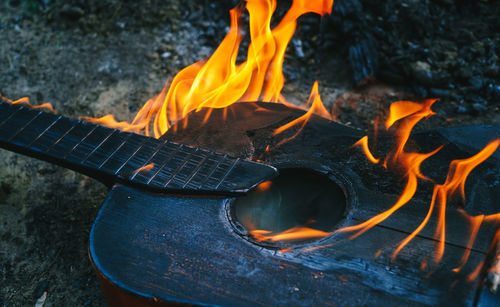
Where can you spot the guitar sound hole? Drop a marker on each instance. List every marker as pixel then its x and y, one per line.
pixel 296 200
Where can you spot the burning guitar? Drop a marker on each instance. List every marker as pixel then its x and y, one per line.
pixel 192 217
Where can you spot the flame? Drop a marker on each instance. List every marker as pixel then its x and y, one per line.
pixel 407 115
pixel 475 224
pixel 294 233
pixel 407 120
pixel 110 121
pixel 455 181
pixel 220 81
pixel 363 142
pixel 494 269
pixel 316 107
pixel 403 116
pixel 264 186
pixel 26 101
pixel 402 109
pixel 146 168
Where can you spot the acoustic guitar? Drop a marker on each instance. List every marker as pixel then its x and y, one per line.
pixel 176 226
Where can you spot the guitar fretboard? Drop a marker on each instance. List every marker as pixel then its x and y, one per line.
pixel 111 155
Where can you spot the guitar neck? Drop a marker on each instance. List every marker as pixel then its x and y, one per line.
pixel 112 156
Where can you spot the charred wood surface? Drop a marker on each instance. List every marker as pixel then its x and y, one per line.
pixel 111 156
pixel 184 249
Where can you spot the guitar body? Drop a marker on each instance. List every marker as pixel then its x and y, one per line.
pixel 158 249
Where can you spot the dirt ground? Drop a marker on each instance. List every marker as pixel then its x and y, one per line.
pixel 90 58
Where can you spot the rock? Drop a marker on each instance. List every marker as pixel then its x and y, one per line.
pixel 479 107
pixel 347 7
pixel 40 289
pixel 462 109
pixel 290 74
pixel 14 3
pixel 440 79
pixel 494 90
pixel 476 83
pixel 479 104
pixel 421 72
pixel 478 47
pixel 363 59
pixel 41 300
pixel 492 71
pixel 420 91
pixel 439 92
pixel 465 72
pixel 152 56
pixel 71 12
pixel 121 24
pixel 390 76
pixel 451 56
pixel 297 44
pixel 445 2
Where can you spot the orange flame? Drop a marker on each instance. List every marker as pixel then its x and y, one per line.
pixel 455 181
pixel 110 121
pixel 363 142
pixel 475 224
pixel 294 233
pixel 26 101
pixel 407 114
pixel 264 186
pixel 145 168
pixel 219 81
pixel 316 107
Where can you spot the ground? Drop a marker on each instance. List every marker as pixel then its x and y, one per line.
pixel 90 58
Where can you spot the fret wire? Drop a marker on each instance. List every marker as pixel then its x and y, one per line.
pixel 184 162
pixel 43 132
pixel 180 146
pixel 29 122
pixel 81 141
pixel 227 173
pixel 100 144
pixel 59 139
pixel 116 150
pixel 158 148
pixel 11 115
pixel 219 162
pixel 195 171
pixel 125 163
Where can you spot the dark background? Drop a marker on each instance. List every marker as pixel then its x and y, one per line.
pixel 97 57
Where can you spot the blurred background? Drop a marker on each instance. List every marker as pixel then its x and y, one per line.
pixel 93 57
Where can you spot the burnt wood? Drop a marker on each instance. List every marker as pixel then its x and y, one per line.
pixel 189 250
pixel 152 247
pixel 112 156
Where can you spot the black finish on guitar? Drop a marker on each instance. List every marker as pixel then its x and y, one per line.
pixel 152 245
pixel 112 156
pixel 160 249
